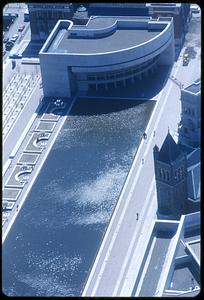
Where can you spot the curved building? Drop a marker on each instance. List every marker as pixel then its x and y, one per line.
pixel 104 53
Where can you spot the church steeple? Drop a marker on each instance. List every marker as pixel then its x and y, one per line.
pixel 169 151
pixel 171 177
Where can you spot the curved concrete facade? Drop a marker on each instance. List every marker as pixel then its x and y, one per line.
pixel 107 49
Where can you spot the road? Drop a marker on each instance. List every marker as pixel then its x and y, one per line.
pixel 110 275
pixel 8 72
pixel 19 9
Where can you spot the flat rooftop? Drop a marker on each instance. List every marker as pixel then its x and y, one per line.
pixel 67 41
pixel 194 88
pixel 195 246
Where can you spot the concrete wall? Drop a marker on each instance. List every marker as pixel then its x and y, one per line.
pixel 159 225
pixel 192 220
pixel 166 225
pixel 55 77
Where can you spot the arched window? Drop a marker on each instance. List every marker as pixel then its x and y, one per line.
pixel 179 173
pixel 160 173
pixel 164 175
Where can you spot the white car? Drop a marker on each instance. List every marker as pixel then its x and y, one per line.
pixel 195 8
pixel 14 37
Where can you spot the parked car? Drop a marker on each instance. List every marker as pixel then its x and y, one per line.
pixel 21 28
pixel 6 39
pixel 14 38
pixel 195 9
pixel 9 45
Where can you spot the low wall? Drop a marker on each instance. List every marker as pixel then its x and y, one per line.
pixel 192 221
pixel 166 225
pixel 168 268
pixel 159 226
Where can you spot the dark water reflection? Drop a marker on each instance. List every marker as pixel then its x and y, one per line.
pixel 51 247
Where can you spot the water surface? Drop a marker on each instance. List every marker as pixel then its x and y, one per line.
pixel 51 247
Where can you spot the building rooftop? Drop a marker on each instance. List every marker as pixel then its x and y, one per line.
pixel 195 248
pixel 163 5
pixel 193 182
pixel 186 148
pixel 194 88
pixel 169 151
pixel 194 157
pixel 105 36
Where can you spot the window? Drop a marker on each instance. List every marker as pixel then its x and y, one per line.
pixel 167 176
pixel 160 173
pixel 179 173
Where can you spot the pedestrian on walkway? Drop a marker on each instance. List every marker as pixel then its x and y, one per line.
pixel 154 133
pixel 143 161
pixel 137 216
pixel 17 207
pixel 193 284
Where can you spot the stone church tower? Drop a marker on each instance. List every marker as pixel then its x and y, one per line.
pixel 171 178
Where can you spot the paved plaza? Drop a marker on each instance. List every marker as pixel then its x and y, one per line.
pixel 29 157
pixel 45 126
